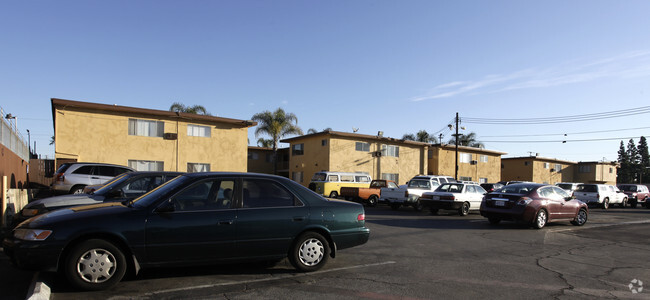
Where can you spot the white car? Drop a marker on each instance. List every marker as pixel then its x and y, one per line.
pixel 602 195
pixel 462 197
pixel 414 189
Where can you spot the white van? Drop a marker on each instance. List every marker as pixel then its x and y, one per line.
pixel 330 183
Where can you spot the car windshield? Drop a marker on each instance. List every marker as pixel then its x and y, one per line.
pixel 319 177
pixel 451 188
pixel 419 184
pixel 111 184
pixel 155 194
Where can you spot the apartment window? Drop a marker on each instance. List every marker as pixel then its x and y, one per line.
pixel 298 149
pixel 297 176
pixel 584 169
pixel 611 170
pixel 198 167
pixel 526 163
pixel 196 130
pixel 390 176
pixel 465 178
pixel 253 156
pixel 146 128
pixel 482 180
pixel 465 157
pixel 147 165
pixel 558 167
pixel 390 150
pixel 360 146
pixel 430 154
pixel 484 158
pixel 269 157
pixel 323 142
pixel 547 165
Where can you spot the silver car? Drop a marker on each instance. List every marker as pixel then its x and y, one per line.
pixel 71 178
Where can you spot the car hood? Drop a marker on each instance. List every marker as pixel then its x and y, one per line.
pixel 74 214
pixel 66 200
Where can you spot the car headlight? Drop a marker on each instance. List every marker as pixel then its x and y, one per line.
pixel 32 234
pixel 29 212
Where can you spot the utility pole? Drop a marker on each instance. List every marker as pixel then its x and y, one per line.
pixel 456 135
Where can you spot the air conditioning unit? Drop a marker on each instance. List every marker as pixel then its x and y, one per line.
pixel 170 136
pixel 473 162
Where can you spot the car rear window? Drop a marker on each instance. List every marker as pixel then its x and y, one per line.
pixel 587 188
pixel 516 189
pixel 63 167
pixel 628 188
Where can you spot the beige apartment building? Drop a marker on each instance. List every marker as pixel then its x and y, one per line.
pixel 148 139
pixel 386 158
pixel 536 169
pixel 380 157
pixel 551 171
pixel 596 172
pixel 474 164
pixel 260 160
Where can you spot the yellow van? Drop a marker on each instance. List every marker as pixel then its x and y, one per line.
pixel 330 183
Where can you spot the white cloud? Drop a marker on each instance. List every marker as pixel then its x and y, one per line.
pixel 627 65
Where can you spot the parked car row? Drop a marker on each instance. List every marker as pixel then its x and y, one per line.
pixel 192 219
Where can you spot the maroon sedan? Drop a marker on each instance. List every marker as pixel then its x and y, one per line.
pixel 533 203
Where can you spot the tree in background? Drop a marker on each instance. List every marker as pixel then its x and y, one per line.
pixel 266 143
pixel 624 163
pixel 422 136
pixel 194 109
pixel 634 162
pixel 312 130
pixel 644 159
pixel 467 140
pixel 276 124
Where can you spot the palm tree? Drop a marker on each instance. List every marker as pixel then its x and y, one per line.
pixel 467 140
pixel 266 143
pixel 194 109
pixel 312 130
pixel 277 124
pixel 422 136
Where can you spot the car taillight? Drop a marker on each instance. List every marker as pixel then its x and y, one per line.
pixel 524 201
pixel 426 196
pixel 598 196
pixel 60 177
pixel 448 198
pixel 361 217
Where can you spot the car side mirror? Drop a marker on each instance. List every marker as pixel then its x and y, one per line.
pixel 115 194
pixel 166 207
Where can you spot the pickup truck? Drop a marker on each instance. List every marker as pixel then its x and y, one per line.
pixel 370 195
pixel 410 195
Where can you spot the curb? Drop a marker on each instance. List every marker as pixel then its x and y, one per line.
pixel 38 290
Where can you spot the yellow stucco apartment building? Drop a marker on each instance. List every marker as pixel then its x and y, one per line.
pixel 551 170
pixel 148 139
pixel 385 158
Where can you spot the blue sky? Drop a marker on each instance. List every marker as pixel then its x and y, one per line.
pixel 391 66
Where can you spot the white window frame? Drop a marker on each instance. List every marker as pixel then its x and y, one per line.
pixel 146 165
pixel 149 128
pixel 197 167
pixel 464 158
pixel 390 150
pixel 198 130
pixel 484 158
pixel 390 176
pixel 362 146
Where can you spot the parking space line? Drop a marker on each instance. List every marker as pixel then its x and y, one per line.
pixel 287 276
pixel 602 225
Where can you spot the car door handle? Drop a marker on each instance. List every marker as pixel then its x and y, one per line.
pixel 226 222
pixel 298 219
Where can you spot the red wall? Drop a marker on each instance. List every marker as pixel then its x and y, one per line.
pixel 14 167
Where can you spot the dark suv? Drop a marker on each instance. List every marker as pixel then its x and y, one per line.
pixel 636 194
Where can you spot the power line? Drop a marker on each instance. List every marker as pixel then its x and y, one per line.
pixel 564 119
pixel 564 134
pixel 564 141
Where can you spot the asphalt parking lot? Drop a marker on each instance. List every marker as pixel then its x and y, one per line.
pixel 414 255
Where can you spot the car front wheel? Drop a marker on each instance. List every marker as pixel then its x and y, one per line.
pixel 95 265
pixel 540 219
pixel 581 218
pixel 310 252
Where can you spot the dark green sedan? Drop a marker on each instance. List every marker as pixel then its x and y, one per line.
pixel 194 219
